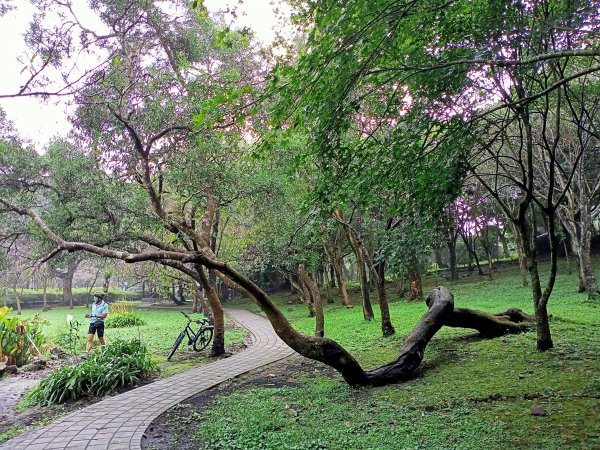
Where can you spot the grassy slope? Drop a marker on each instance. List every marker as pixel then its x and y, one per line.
pixel 161 329
pixel 469 393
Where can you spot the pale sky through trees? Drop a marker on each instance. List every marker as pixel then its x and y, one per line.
pixel 39 121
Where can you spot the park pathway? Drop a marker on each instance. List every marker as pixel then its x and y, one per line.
pixel 119 422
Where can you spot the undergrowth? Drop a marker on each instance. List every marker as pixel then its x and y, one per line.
pixel 122 364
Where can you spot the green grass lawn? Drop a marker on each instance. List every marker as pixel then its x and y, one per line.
pixel 161 328
pixel 469 393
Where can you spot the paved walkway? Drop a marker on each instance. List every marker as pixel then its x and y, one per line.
pixel 119 422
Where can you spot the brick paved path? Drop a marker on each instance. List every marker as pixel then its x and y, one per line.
pixel 119 422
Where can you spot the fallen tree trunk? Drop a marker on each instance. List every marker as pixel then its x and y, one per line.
pixel 441 313
pixel 511 321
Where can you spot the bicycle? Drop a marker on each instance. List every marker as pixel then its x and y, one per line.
pixel 198 339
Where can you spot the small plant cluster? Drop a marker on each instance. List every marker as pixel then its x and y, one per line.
pixel 71 339
pixel 122 315
pixel 121 364
pixel 122 320
pixel 19 339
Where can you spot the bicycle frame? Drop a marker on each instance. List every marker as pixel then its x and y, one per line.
pixel 203 335
pixel 189 331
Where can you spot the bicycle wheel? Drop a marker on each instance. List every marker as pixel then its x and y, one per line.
pixel 202 339
pixel 176 344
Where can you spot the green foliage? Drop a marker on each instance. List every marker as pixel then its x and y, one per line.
pixel 123 319
pixel 161 328
pixel 121 364
pixel 18 337
pixel 71 338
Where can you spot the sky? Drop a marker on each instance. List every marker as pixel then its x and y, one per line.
pixel 39 121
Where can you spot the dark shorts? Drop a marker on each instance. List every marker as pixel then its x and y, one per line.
pixel 97 327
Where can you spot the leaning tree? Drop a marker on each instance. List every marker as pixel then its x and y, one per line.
pixel 182 240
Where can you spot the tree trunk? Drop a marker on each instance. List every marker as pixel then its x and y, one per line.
pixel 316 301
pixel 218 345
pixel 204 308
pixel 504 242
pixel 45 287
pixel 17 299
pixel 585 252
pixel 386 321
pixel 331 275
pixel 451 243
pixel 327 284
pixel 67 281
pixel 522 259
pixel 438 258
pixel 306 295
pixel 472 254
pixel 529 245
pixel 414 279
pixel 334 258
pixel 488 253
pixel 68 289
pixel 364 287
pixel 106 283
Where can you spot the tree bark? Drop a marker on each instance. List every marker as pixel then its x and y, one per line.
pixel 331 249
pixel 471 249
pixel 378 273
pixel 45 287
pixel 67 281
pixel 451 243
pixel 438 258
pixel 218 345
pixel 17 299
pixel 308 301
pixel 504 242
pixel 414 279
pixel 317 302
pixel 485 242
pixel 387 328
pixel 318 348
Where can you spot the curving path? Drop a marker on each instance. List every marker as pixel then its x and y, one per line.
pixel 119 422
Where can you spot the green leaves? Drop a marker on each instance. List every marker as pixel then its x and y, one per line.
pixel 121 364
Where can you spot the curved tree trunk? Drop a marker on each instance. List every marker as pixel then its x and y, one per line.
pixel 322 349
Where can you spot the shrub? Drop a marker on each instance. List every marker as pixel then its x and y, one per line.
pixel 121 307
pixel 124 319
pixel 121 364
pixel 19 338
pixel 71 338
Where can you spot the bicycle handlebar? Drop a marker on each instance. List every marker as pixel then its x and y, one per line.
pixel 198 321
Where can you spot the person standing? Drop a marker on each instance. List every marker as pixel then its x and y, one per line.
pixel 99 313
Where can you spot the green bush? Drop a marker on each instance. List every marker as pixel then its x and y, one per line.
pixel 71 338
pixel 123 363
pixel 19 338
pixel 124 319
